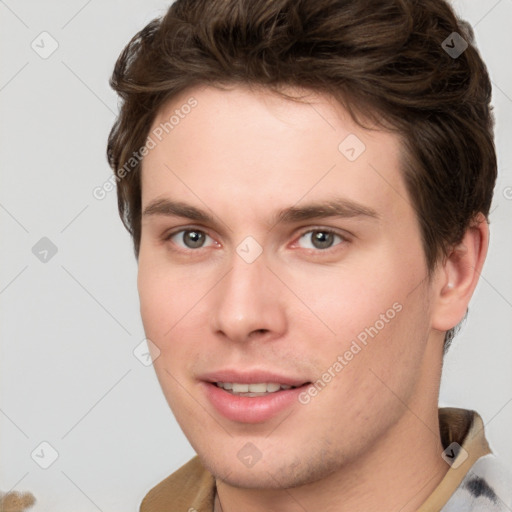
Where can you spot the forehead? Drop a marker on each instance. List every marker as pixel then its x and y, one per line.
pixel 255 149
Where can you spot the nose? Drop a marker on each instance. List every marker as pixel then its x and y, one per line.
pixel 248 303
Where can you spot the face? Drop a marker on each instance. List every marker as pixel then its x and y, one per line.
pixel 281 257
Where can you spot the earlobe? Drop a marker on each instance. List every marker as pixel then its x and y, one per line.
pixel 457 276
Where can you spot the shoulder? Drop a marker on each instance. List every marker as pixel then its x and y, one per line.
pixel 487 487
pixel 191 487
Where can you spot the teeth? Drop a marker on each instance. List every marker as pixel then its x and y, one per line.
pixel 261 388
pixel 252 389
pixel 271 388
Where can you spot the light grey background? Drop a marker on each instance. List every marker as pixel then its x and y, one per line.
pixel 69 326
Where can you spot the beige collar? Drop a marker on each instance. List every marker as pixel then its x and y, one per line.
pixel 467 429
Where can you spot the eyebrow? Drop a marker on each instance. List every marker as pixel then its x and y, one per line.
pixel 337 207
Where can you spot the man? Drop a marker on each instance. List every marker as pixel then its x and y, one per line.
pixel 307 185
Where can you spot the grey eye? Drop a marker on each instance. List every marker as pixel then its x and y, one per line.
pixel 320 239
pixel 190 238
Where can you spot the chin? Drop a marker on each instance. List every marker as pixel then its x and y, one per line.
pixel 272 474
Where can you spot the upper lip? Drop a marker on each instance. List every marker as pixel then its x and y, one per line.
pixel 251 377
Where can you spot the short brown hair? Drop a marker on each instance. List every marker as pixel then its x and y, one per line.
pixel 383 60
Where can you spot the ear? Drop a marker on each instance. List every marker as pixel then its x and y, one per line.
pixel 457 277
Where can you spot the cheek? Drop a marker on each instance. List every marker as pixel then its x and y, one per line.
pixel 347 301
pixel 164 303
pixel 160 288
pixel 170 300
pixel 370 317
pixel 153 299
pixel 161 298
pixel 361 380
pixel 390 358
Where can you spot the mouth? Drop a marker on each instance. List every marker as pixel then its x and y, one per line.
pixel 251 397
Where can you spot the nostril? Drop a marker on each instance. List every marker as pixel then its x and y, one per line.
pixel 257 333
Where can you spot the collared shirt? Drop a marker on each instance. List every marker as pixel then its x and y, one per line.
pixel 475 482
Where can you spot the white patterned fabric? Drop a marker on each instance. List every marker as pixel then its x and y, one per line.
pixel 487 487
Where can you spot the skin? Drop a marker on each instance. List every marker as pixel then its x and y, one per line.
pixel 242 155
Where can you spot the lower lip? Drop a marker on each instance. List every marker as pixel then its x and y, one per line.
pixel 251 409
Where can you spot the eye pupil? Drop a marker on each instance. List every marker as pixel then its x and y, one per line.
pixel 196 238
pixel 322 239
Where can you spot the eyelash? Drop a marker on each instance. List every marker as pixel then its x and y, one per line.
pixel 344 239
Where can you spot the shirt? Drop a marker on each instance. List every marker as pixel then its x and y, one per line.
pixel 475 482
